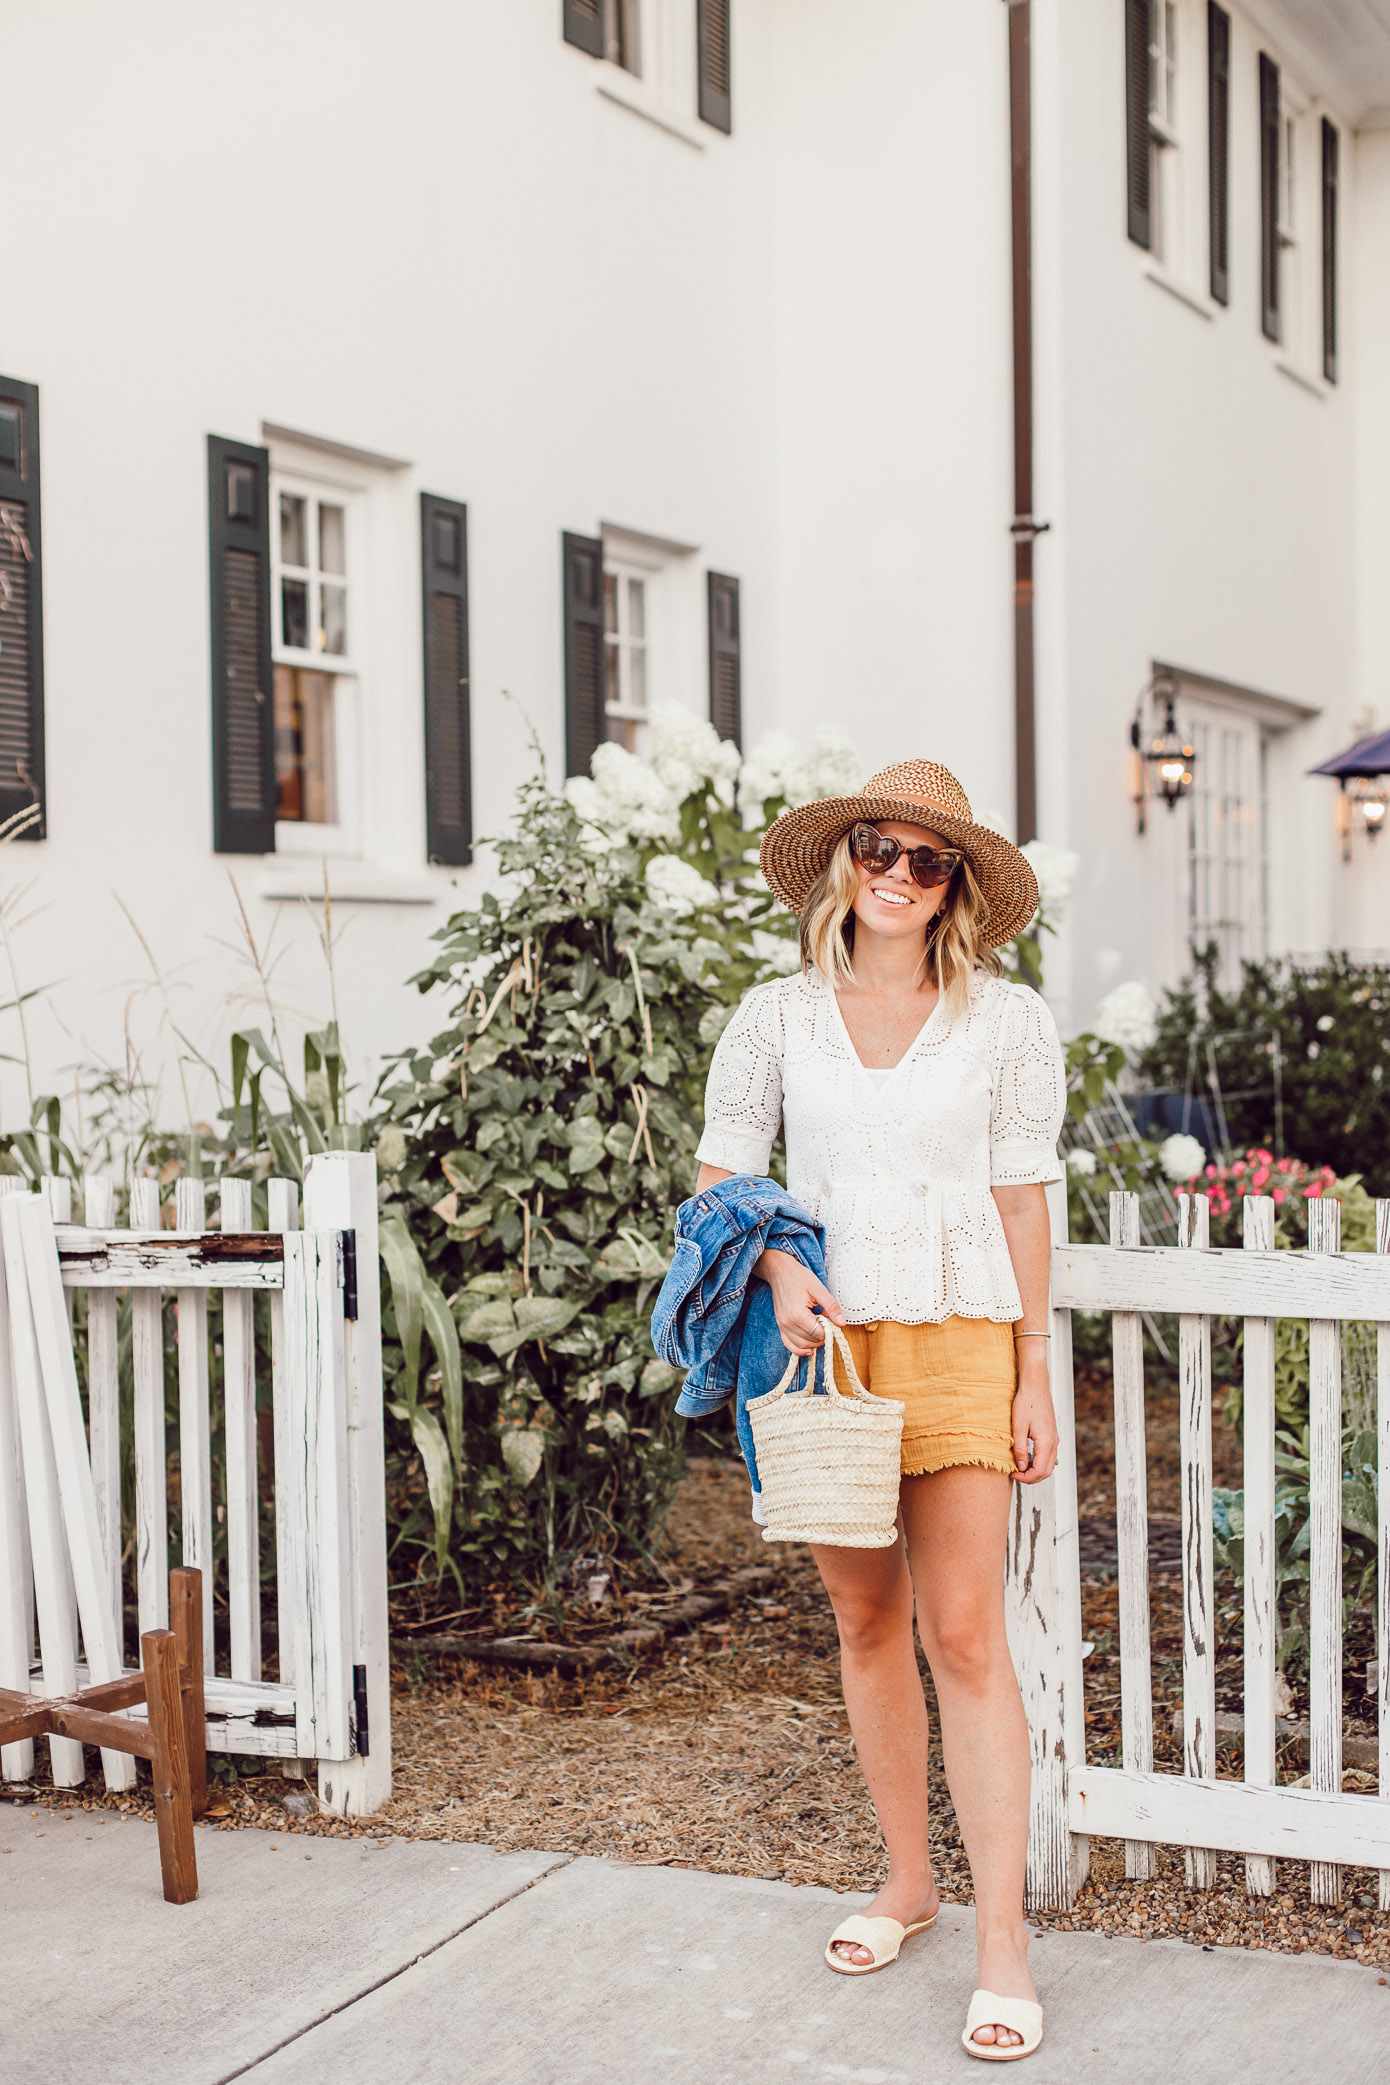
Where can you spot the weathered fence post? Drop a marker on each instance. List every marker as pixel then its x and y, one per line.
pixel 340 1195
pixel 1132 1535
pixel 1044 1617
pixel 1261 1616
pixel 1325 1547
pixel 1198 1604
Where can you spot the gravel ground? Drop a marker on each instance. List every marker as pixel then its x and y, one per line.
pixel 730 1750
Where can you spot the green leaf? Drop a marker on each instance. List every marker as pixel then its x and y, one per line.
pixel 444 1338
pixel 406 1273
pixel 439 1477
pixel 539 1316
pixel 523 1451
pixel 483 1321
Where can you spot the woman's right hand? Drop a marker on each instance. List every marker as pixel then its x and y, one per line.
pixel 795 1295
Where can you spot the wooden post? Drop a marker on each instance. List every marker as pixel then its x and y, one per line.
pixel 1383 1530
pixel 1325 1547
pixel 282 1197
pixel 1199 1607
pixel 16 1574
pixel 1261 1615
pixel 1132 1536
pixel 173 1813
pixel 104 1396
pixel 186 1613
pixel 195 1445
pixel 1044 1638
pixel 151 1453
pixel 239 1410
pixel 340 1195
pixel 316 1560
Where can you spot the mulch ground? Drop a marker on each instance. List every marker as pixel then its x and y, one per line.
pixel 729 1749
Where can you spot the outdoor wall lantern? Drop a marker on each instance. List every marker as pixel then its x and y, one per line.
pixel 1164 759
pixel 1360 773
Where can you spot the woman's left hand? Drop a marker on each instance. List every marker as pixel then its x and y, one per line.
pixel 1033 1417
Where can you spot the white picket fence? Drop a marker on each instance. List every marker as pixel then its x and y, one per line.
pixel 61 1529
pixel 1253 1816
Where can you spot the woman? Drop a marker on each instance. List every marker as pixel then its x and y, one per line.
pixel 922 1095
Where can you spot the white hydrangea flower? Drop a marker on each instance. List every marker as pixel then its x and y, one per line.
pixel 677 885
pixel 1127 1016
pixel 1056 870
pixel 686 751
pixel 831 767
pixel 764 773
pixel 1081 1162
pixel 625 797
pixel 391 1148
pixel 1181 1157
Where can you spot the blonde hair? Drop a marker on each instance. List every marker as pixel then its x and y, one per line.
pixel 955 947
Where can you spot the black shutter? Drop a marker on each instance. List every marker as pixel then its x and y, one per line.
pixel 584 25
pixel 585 729
pixel 1219 149
pixel 1138 139
pixel 448 771
pixel 1329 250
pixel 243 685
pixel 21 608
pixel 725 668
pixel 1269 197
pixel 712 63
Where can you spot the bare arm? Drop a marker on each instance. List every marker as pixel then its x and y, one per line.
pixel 1023 1213
pixel 794 1288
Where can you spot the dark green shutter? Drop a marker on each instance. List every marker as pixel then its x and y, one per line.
pixel 1329 250
pixel 725 666
pixel 583 21
pixel 243 684
pixel 713 63
pixel 585 728
pixel 1269 197
pixel 1138 139
pixel 448 772
pixel 1219 149
pixel 21 608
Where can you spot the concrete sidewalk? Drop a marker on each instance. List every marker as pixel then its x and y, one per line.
pixel 426 1963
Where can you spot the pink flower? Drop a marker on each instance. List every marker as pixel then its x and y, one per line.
pixel 1239 1166
pixel 1278 1194
pixel 1314 1193
pixel 1211 1172
pixel 1257 1180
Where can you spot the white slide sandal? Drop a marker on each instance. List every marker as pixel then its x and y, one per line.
pixel 988 2009
pixel 883 1937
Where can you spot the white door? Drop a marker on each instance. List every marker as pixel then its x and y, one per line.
pixel 1226 900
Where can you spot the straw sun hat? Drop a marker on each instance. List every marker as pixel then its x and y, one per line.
pixel 797 846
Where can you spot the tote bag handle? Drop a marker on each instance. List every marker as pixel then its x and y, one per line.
pixel 833 1344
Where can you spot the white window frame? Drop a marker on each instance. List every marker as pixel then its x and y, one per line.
pixel 662 87
pixel 344 836
pixel 1178 257
pixel 1226 847
pixel 624 569
pixel 1298 199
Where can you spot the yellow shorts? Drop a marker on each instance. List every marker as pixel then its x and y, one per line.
pixel 957 1382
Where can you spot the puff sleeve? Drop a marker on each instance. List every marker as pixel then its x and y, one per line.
pixel 1030 1093
pixel 743 1094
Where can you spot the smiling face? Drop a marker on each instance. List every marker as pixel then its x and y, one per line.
pixel 887 901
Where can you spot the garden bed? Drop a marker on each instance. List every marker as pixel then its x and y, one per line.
pixel 727 1747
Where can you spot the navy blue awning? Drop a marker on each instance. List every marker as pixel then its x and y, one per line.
pixel 1369 756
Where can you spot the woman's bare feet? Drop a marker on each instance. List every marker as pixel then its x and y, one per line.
pixel 907 1902
pixel 1003 1962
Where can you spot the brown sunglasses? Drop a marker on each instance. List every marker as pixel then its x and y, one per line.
pixel 930 866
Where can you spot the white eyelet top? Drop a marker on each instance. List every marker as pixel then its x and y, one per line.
pixel 898 1169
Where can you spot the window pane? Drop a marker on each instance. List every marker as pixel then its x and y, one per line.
pixel 637 676
pixel 612 685
pixel 294 533
pixel 636 608
pixel 610 603
pixel 331 554
pixel 332 633
pixel 294 613
pixel 305 755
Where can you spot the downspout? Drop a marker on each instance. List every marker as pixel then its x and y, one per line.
pixel 1023 527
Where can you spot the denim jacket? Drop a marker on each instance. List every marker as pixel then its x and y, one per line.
pixel 712 1316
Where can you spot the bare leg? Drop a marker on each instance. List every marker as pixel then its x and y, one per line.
pixel 871 1593
pixel 957 1523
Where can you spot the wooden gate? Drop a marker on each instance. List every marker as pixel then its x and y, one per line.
pixel 1195 1809
pixel 62 1531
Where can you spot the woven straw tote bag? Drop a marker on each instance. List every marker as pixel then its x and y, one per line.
pixel 829 1466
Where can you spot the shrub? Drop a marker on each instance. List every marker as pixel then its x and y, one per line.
pixel 1332 1027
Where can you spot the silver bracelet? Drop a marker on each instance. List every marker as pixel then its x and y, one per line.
pixel 1032 1335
